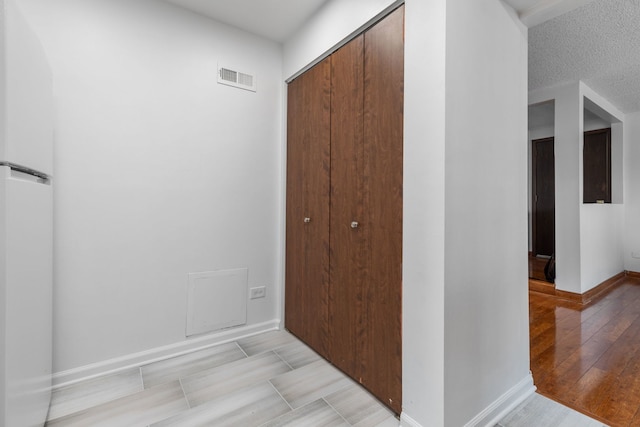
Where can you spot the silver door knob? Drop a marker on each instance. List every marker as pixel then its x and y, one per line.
pixel 307 220
pixel 354 224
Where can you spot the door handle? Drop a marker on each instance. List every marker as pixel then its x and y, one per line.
pixel 307 220
pixel 354 224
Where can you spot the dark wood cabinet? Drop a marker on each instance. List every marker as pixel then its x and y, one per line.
pixel 344 208
pixel 597 166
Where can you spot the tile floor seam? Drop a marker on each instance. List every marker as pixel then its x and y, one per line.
pixel 241 349
pixel 141 377
pixel 184 394
pixel 279 416
pixel 283 359
pixel 335 410
pixel 280 394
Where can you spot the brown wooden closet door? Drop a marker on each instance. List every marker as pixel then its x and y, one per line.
pixel 383 144
pixel 348 270
pixel 308 168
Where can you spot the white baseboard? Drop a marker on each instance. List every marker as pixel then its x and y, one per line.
pixel 494 412
pixel 407 421
pixel 64 378
pixel 505 404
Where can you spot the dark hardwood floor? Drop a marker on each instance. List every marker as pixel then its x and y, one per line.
pixel 536 267
pixel 588 357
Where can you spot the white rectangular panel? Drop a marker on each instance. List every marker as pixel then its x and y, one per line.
pixel 216 300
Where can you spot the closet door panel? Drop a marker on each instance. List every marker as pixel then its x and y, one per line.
pixel 308 179
pixel 383 143
pixel 347 257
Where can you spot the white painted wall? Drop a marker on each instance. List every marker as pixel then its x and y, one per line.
pixel 632 192
pixel 617 162
pixel 542 132
pixel 486 297
pixel 595 123
pixel 160 170
pixel 423 249
pixel 601 243
pixel 568 166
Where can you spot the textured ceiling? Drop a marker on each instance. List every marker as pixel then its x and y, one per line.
pixel 598 43
pixel 272 19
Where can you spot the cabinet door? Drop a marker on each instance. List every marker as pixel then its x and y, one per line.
pixel 307 254
pixel 597 166
pixel 383 144
pixel 348 257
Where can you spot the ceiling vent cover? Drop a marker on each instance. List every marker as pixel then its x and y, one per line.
pixel 230 77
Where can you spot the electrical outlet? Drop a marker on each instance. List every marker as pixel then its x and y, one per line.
pixel 258 292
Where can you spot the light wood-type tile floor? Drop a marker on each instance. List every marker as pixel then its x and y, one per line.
pixel 267 380
pixel 270 380
pixel 539 411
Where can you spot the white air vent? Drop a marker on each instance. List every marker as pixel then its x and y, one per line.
pixel 230 77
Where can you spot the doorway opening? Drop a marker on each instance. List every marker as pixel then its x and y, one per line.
pixel 542 192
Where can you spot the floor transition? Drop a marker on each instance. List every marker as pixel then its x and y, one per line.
pixel 267 380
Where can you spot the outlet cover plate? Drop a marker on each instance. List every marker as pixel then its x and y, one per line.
pixel 259 292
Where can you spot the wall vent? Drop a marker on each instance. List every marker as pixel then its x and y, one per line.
pixel 230 77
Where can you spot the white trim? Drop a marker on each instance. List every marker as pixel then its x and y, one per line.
pixel 282 234
pixel 407 421
pixel 370 23
pixel 600 105
pixel 505 404
pixel 546 10
pixel 71 376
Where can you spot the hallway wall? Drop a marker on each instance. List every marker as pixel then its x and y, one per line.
pixel 486 294
pixel 160 171
pixel 632 193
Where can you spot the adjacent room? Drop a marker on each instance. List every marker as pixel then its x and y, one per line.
pixel 584 98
